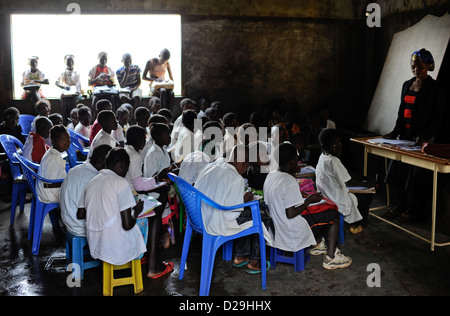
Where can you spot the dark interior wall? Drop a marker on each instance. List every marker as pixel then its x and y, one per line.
pixel 245 53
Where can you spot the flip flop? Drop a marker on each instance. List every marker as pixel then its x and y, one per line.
pixel 240 265
pixel 167 270
pixel 251 271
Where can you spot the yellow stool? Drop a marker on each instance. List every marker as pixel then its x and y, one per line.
pixel 108 277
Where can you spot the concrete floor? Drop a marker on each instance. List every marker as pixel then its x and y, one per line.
pixel 407 267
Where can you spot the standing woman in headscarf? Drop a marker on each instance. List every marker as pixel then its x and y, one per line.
pixel 419 118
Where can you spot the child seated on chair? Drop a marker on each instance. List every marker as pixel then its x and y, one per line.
pixel 84 125
pixel 71 199
pixel 101 105
pixel 108 122
pixel 43 108
pixel 229 191
pixel 331 179
pixel 35 147
pixel 157 158
pixel 56 119
pixel 10 124
pixel 297 226
pixel 113 230
pixel 53 166
pixel 135 142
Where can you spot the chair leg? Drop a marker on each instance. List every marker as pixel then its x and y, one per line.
pixel 341 230
pixel 137 272
pixel 184 253
pixel 14 197
pixel 37 227
pixel 31 222
pixel 22 196
pixel 227 251
pixel 208 255
pixel 262 247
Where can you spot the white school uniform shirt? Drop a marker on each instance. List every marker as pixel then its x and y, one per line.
pixel 107 194
pixel 84 131
pixel 118 134
pixel 135 169
pixel 72 197
pixel 224 185
pixel 102 137
pixel 331 176
pixel 192 165
pixel 156 160
pixel 184 145
pixel 52 167
pixel 281 191
pixel 177 125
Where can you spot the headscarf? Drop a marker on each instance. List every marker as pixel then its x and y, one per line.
pixel 424 56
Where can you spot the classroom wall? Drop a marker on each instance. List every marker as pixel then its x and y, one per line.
pixel 244 53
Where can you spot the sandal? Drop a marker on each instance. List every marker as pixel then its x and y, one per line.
pixel 167 270
pixel 240 265
pixel 251 271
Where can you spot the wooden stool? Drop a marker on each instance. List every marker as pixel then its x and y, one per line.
pixel 109 282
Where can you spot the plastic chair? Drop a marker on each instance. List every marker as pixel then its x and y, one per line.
pixel 341 238
pixel 19 187
pixel 109 282
pixel 76 248
pixel 298 258
pixel 38 209
pixel 25 121
pixel 77 140
pixel 192 199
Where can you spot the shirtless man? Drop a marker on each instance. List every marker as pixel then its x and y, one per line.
pixel 157 68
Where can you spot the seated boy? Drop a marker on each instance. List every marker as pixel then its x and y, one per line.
pixel 108 122
pixel 43 108
pixel 229 191
pixel 296 227
pixel 71 203
pixel 101 105
pixel 35 147
pixel 10 124
pixel 84 125
pixel 129 76
pixel 157 158
pixel 53 166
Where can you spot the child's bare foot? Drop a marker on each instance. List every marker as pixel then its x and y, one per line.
pixel 240 261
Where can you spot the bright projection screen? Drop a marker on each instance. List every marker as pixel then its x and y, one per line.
pixel 52 36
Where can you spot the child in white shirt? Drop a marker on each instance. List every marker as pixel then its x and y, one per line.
pixel 53 166
pixel 135 142
pixel 108 122
pixel 111 213
pixel 157 158
pixel 331 179
pixel 73 212
pixel 295 227
pixel 84 124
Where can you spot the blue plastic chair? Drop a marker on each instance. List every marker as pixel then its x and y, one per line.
pixel 19 186
pixel 25 121
pixel 76 248
pixel 298 258
pixel 75 146
pixel 341 238
pixel 38 209
pixel 192 199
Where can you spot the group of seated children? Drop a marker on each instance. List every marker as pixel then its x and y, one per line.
pixel 100 198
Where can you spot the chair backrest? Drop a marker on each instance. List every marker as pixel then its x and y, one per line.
pixel 10 144
pixel 192 199
pixel 77 139
pixel 25 121
pixel 29 173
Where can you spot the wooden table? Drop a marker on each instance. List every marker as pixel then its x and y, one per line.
pixel 414 158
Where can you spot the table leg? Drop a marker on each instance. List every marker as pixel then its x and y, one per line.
pixel 433 210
